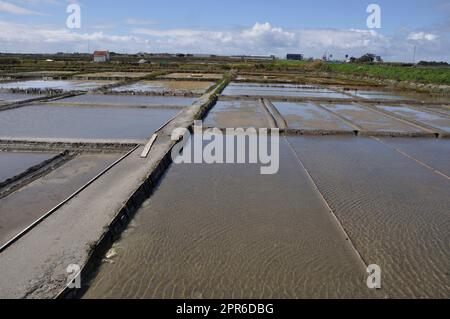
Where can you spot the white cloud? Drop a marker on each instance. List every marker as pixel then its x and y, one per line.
pixel 260 39
pixel 263 38
pixel 422 36
pixel 15 9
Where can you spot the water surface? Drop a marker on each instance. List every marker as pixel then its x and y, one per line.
pixel 225 231
pixel 396 211
pixel 42 121
pixel 240 114
pixel 309 116
pixel 370 120
pixel 434 120
pixel 130 100
pixel 66 85
pixel 15 163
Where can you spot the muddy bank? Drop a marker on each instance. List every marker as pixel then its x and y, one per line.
pixel 23 207
pixel 185 88
pixel 6 98
pixel 29 174
pixel 13 164
pixel 60 145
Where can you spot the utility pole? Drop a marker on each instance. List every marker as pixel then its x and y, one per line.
pixel 414 55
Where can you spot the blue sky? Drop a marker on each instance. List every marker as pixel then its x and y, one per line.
pixel 230 27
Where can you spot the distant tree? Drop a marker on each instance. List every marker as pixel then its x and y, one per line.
pixel 366 58
pixel 433 63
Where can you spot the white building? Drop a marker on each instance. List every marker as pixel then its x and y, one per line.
pixel 101 56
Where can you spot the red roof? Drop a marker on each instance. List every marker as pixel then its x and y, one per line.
pixel 100 53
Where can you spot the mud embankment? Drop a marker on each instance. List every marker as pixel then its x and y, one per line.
pixel 12 184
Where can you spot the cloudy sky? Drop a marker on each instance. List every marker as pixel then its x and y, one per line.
pixel 254 27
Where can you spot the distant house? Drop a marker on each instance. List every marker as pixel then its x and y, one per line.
pixel 101 56
pixel 296 57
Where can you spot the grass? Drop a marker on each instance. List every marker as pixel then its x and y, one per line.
pixel 399 73
pixel 426 75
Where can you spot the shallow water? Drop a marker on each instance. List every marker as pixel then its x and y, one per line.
pixel 281 92
pixel 82 123
pixel 309 116
pixel 432 152
pixel 379 95
pixel 225 231
pixel 396 211
pixel 439 122
pixel 130 100
pixel 15 163
pixel 369 120
pixel 407 96
pixel 66 85
pixel 240 114
pixel 23 207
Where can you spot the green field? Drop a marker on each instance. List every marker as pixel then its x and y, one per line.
pixel 400 73
pixel 427 75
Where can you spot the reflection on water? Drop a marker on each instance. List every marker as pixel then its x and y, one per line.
pixel 66 85
pixel 240 114
pixel 82 123
pixel 13 164
pixel 370 120
pixel 132 100
pixel 280 91
pixel 309 116
pixel 434 120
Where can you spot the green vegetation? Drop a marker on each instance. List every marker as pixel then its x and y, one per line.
pixel 301 71
pixel 399 73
